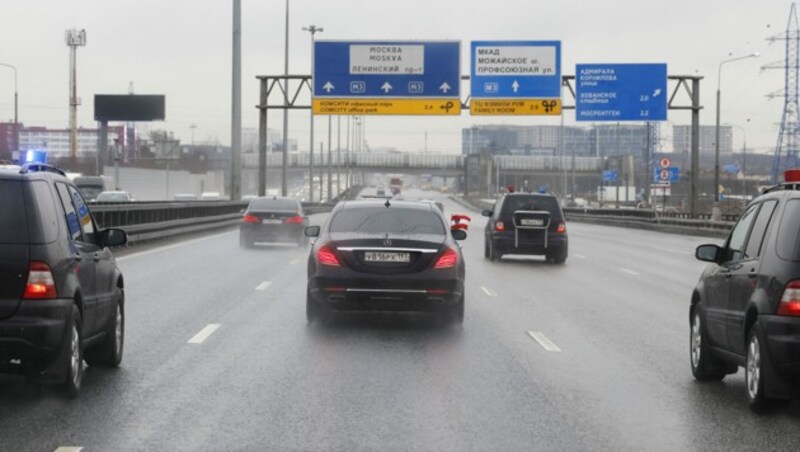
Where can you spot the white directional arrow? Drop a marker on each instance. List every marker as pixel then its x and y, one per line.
pixel 657 92
pixel 328 87
pixel 445 87
pixel 515 86
pixel 386 87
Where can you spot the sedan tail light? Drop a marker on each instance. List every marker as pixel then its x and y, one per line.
pixel 562 228
pixel 297 219
pixel 325 256
pixel 448 259
pixel 499 226
pixel 247 218
pixel 41 285
pixel 790 301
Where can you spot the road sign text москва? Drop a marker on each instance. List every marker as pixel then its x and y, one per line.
pixel 413 72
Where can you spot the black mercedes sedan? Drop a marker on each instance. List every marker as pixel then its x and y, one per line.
pixel 396 256
pixel 272 220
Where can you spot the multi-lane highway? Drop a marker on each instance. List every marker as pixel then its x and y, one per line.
pixel 591 355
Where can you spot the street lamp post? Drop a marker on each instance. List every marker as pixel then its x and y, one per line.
pixel 715 212
pixel 16 119
pixel 312 29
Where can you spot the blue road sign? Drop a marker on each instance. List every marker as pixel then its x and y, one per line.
pixel 621 92
pixel 515 69
pixel 670 174
pixel 397 69
pixel 610 176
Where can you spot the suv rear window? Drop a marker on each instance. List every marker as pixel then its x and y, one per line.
pixel 13 221
pixel 546 203
pixel 789 232
pixel 387 220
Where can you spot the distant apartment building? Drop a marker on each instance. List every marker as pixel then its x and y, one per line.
pixel 682 139
pixel 55 141
pixel 274 141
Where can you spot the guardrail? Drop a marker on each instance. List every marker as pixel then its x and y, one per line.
pixel 149 220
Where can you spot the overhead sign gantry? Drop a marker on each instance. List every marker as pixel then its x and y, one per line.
pixel 387 78
pixel 515 78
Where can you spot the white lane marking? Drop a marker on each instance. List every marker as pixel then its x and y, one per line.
pixel 69 449
pixel 546 343
pixel 263 285
pixel 630 272
pixel 489 291
pixel 176 245
pixel 294 261
pixel 200 337
pixel 579 256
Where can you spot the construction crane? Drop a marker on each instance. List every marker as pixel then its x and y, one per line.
pixel 786 151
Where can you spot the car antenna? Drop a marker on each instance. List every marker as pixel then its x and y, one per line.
pixel 387 204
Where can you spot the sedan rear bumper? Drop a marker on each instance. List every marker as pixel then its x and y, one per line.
pixel 364 295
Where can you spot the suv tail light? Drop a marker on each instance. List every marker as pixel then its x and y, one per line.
pixel 448 259
pixel 41 285
pixel 325 256
pixel 790 301
pixel 297 219
pixel 562 228
pixel 247 218
pixel 499 226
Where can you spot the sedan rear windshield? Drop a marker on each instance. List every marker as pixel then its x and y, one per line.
pixel 387 220
pixel 282 205
pixel 13 221
pixel 515 203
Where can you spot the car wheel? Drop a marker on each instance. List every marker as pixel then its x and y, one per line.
pixel 109 352
pixel 314 312
pixel 705 366
pixel 456 314
pixel 754 371
pixel 560 258
pixel 72 355
pixel 244 242
pixel 493 254
pixel 486 249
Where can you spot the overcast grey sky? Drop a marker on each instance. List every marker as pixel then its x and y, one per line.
pixel 182 48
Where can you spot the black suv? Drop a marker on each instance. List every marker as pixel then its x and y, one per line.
pixel 526 223
pixel 745 310
pixel 61 293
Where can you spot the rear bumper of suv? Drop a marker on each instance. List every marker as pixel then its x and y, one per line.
pixel 505 243
pixel 31 339
pixel 783 342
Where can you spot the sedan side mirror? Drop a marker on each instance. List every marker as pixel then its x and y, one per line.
pixel 708 253
pixel 312 231
pixel 487 213
pixel 113 237
pixel 459 234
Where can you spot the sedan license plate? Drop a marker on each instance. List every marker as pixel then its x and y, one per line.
pixel 272 221
pixel 531 222
pixel 380 256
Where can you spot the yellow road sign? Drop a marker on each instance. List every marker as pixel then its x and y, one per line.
pixel 326 106
pixel 515 107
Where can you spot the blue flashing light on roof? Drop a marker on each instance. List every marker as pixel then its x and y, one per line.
pixel 34 156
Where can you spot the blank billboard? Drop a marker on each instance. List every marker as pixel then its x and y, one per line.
pixel 129 107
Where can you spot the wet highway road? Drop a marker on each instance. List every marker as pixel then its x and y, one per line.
pixel 592 355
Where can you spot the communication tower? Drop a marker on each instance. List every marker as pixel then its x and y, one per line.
pixel 786 151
